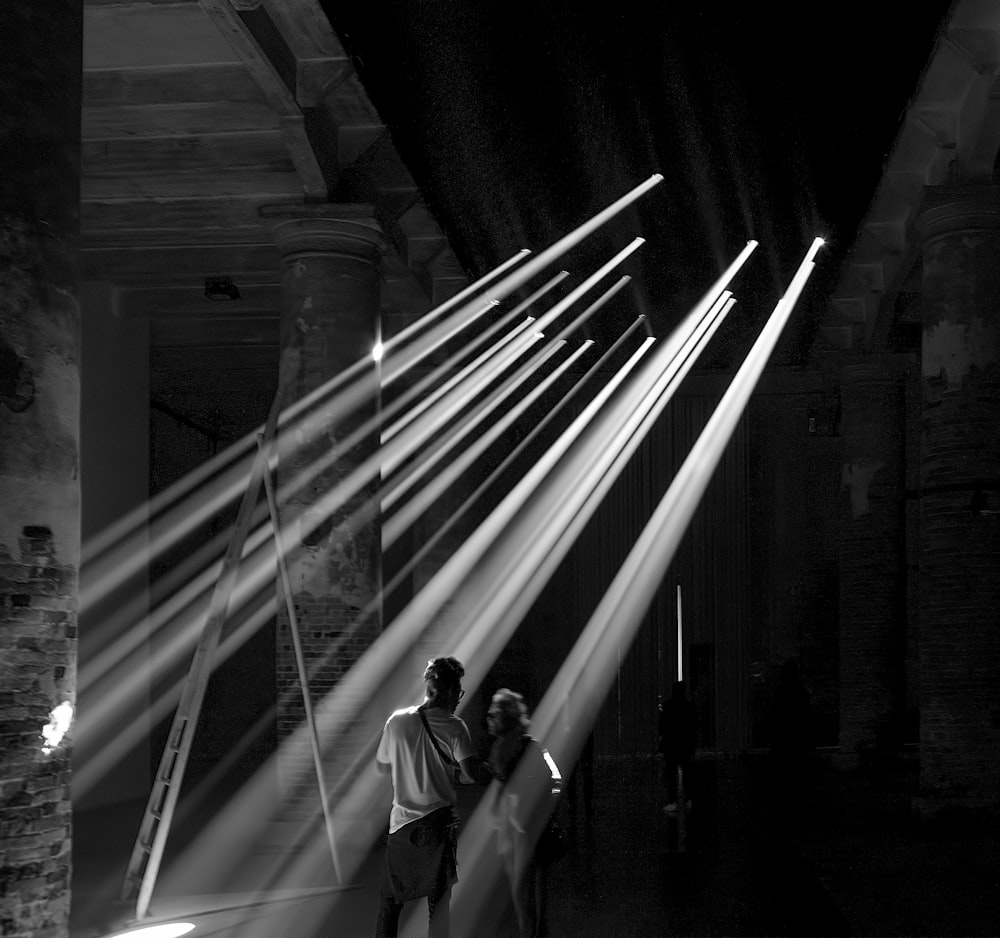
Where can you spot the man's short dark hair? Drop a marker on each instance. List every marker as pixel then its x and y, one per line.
pixel 443 674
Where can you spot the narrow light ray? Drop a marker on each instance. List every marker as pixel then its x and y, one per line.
pixel 535 431
pixel 442 444
pixel 453 301
pixel 469 348
pixel 456 379
pixel 596 277
pixel 602 300
pixel 546 257
pixel 393 527
pixel 416 352
pixel 546 320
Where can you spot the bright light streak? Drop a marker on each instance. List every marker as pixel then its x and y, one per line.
pixel 165 930
pixel 60 719
pixel 393 527
pixel 475 367
pixel 456 516
pixel 377 352
pixel 442 445
pixel 680 637
pixel 532 267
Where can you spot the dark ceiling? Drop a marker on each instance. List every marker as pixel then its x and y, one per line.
pixel 520 121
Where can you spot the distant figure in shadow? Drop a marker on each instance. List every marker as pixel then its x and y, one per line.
pixel 792 742
pixel 525 828
pixel 677 730
pixel 792 722
pixel 581 783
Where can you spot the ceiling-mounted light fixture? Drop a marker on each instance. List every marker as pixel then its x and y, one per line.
pixel 221 288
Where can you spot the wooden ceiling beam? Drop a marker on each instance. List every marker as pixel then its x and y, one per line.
pixel 165 264
pixel 134 121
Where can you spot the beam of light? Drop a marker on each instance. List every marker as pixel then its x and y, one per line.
pixel 508 460
pixel 393 527
pixel 464 374
pixel 680 636
pixel 442 444
pixel 390 462
pixel 428 390
pixel 560 247
pixel 60 719
pixel 377 349
pixel 426 345
pixel 588 671
pixel 404 334
pixel 457 395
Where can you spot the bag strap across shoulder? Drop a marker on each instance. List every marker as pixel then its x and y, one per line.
pixel 448 760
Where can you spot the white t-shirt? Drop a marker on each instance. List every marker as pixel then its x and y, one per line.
pixel 421 779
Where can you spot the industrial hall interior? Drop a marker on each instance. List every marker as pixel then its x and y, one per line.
pixel 634 355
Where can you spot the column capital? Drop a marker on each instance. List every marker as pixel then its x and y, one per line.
pixel 949 209
pixel 347 230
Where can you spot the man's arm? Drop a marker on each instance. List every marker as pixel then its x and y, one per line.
pixel 475 771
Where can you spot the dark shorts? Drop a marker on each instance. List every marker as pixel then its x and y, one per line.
pixel 420 857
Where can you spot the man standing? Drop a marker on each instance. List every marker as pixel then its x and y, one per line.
pixel 424 748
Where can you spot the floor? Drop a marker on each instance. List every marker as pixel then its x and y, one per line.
pixel 832 854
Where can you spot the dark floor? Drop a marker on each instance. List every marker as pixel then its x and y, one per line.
pixel 839 854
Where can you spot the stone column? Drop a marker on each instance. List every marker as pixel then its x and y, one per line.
pixel 40 80
pixel 960 499
pixel 872 558
pixel 329 321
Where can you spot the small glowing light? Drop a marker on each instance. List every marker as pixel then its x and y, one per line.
pixel 166 930
pixel 57 727
pixel 539 335
pixel 377 352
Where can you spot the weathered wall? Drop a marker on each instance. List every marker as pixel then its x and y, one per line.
pixel 39 466
pixel 960 499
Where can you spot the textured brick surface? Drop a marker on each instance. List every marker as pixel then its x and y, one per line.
pixel 329 316
pixel 960 478
pixel 872 557
pixel 39 471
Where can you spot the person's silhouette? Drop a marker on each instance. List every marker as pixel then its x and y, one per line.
pixel 677 729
